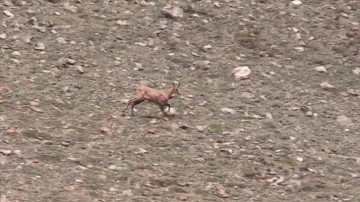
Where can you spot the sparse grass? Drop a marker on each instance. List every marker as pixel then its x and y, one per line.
pixel 287 161
pixel 216 127
pixel 269 124
pixel 251 174
pixel 35 134
pixel 275 103
pixel 200 11
pixel 51 155
pixel 248 39
pixel 293 113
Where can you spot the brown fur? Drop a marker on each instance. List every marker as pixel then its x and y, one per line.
pixel 156 96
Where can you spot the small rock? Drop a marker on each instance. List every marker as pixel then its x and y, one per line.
pixel 151 42
pixel 200 128
pixel 127 12
pixel 36 109
pixel 184 126
pixel 255 116
pixel 296 2
pixel 247 95
pixel 7 3
pixel 177 26
pixel 300 159
pixel 3 36
pixel 269 115
pixel 141 44
pixel 121 22
pixel 354 175
pixel 80 69
pixel 227 110
pixel 309 113
pixel 70 61
pixel 104 129
pixel 39 28
pixel 195 54
pixel 40 46
pixel 61 40
pixel 202 63
pixel 153 121
pixel 5 152
pixel 207 47
pixel 10 131
pixel 34 103
pixel 73 159
pixel 174 126
pixel 27 38
pixel 174 13
pixel 8 14
pixel 221 191
pixel 53 1
pixel 299 49
pixel 162 26
pixel 127 192
pixel 66 89
pixel 320 69
pixel 138 66
pixel 47 142
pixel 241 73
pixel 183 198
pixel 142 151
pixel 16 53
pixel 102 177
pixel 113 189
pixel 353 92
pixel 182 183
pixel 326 86
pixel 70 8
pixel 151 130
pixel 344 120
pixel 216 4
pixel 356 71
pixel 16 61
pixel 65 143
pixel 112 167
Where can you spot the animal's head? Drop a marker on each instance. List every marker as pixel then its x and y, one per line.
pixel 175 90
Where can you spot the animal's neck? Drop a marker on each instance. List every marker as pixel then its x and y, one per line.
pixel 169 92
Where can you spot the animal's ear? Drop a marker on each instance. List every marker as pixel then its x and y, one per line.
pixel 178 85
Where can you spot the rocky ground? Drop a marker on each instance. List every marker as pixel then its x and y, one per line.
pixel 269 109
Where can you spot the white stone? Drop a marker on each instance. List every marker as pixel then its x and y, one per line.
pixel 296 2
pixel 320 69
pixel 227 110
pixel 241 73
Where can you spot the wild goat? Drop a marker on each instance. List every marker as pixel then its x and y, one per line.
pixel 156 96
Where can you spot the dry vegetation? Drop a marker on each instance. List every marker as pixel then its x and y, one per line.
pixel 289 132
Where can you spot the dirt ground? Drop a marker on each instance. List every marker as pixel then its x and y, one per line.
pixel 68 67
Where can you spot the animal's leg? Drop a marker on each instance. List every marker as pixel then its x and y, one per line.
pixel 162 108
pixel 128 103
pixel 168 105
pixel 134 103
